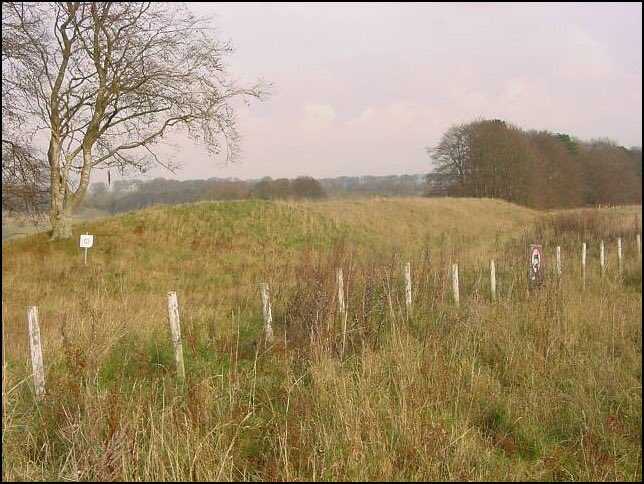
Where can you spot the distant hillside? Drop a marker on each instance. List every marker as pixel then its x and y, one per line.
pixel 134 194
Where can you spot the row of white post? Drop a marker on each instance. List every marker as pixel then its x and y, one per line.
pixel 455 283
pixel 602 258
pixel 175 327
pixel 35 347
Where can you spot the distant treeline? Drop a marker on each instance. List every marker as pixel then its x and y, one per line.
pixel 484 158
pixel 123 195
pixel 491 158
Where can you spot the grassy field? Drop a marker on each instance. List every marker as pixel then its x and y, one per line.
pixel 543 384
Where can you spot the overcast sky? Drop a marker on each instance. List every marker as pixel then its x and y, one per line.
pixel 364 88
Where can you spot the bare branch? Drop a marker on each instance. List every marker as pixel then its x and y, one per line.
pixel 110 79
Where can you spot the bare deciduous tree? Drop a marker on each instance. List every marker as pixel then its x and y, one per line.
pixel 24 176
pixel 452 156
pixel 108 80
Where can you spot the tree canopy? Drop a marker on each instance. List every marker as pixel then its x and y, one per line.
pixel 491 158
pixel 108 80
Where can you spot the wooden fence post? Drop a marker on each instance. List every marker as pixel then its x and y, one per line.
pixel 638 239
pixel 583 265
pixel 559 261
pixel 619 255
pixel 36 351
pixel 341 307
pixel 492 280
pixel 455 284
pixel 408 285
pixel 86 251
pixel 266 308
pixel 175 330
pixel 602 258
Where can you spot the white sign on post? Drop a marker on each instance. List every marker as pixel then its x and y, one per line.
pixel 86 241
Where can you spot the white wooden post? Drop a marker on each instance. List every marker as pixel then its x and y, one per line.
pixel 558 260
pixel 455 284
pixel 36 351
pixel 638 239
pixel 602 258
pixel 86 233
pixel 341 307
pixel 175 331
pixel 619 255
pixel 583 265
pixel 266 307
pixel 408 285
pixel 492 280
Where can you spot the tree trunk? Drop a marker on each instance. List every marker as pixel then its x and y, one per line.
pixel 61 222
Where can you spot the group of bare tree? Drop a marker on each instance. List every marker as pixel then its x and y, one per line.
pixel 105 82
pixel 131 193
pixel 136 194
pixel 283 188
pixel 491 158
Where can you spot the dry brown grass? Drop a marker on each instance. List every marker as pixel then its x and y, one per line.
pixel 539 386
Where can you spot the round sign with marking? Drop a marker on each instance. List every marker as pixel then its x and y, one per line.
pixel 86 241
pixel 535 261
